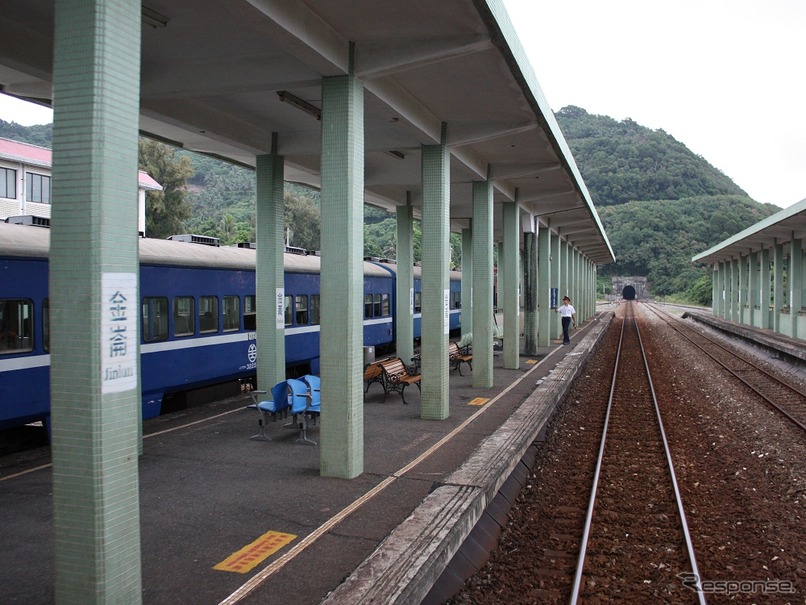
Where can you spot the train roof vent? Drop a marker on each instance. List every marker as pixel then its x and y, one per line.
pixel 196 239
pixel 296 250
pixel 29 219
pixel 250 245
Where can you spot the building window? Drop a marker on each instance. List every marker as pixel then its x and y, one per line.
pixel 8 183
pixel 37 188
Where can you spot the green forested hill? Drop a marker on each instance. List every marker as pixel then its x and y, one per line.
pixel 624 161
pixel 659 202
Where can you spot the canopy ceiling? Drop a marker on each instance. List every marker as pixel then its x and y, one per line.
pixel 213 72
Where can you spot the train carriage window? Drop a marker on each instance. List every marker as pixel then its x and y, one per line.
pixel 315 313
pixel 418 302
pixel 250 312
pixel 155 318
pixel 301 310
pixel 184 316
pixel 456 300
pixel 377 305
pixel 232 313
pixel 386 308
pixel 289 310
pixel 367 306
pixel 208 314
pixel 46 324
pixel 16 325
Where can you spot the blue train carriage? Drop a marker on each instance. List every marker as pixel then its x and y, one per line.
pixel 24 336
pixel 198 321
pixel 455 293
pixel 302 311
pixel 199 316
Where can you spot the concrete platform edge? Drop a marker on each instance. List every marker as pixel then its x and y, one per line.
pixel 411 559
pixel 774 343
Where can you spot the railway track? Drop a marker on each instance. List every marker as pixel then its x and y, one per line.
pixel 635 514
pixel 785 398
pixel 618 532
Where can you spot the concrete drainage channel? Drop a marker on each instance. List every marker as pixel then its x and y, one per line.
pixel 427 558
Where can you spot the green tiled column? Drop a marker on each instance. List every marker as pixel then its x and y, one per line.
pixel 545 312
pixel 765 288
pixel 404 311
pixel 752 288
pixel 467 281
pixel 435 280
pixel 530 289
pixel 573 276
pixel 94 302
pixel 270 287
pixel 342 285
pixel 795 276
pixel 482 284
pixel 734 290
pixel 744 263
pixel 778 286
pixel 512 323
pixel 556 325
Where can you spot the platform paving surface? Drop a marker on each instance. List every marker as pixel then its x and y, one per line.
pixel 207 491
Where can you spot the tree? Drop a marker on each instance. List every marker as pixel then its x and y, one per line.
pixel 166 210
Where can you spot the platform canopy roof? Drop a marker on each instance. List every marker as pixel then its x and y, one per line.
pixel 219 77
pixel 780 228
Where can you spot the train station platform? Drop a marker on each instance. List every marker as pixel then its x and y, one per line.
pixel 779 346
pixel 228 519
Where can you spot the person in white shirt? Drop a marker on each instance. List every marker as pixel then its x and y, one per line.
pixel 568 315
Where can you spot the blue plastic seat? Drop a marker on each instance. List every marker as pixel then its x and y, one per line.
pixel 314 390
pixel 301 408
pixel 278 404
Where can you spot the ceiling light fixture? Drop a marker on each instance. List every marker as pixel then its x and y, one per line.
pixel 287 97
pixel 153 18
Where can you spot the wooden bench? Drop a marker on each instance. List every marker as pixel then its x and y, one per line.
pixel 373 372
pixel 456 357
pixel 397 377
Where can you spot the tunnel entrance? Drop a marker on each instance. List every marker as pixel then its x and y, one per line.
pixel 628 293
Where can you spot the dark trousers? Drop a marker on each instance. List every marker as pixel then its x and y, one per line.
pixel 566 327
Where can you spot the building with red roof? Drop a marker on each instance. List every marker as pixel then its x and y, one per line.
pixel 25 183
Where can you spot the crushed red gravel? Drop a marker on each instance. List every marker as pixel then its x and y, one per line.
pixel 741 470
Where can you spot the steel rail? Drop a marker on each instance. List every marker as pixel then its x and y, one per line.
pixel 735 355
pixel 592 500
